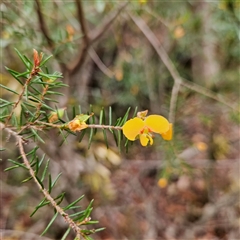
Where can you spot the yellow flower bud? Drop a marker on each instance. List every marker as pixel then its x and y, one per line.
pixel 162 182
pixel 76 125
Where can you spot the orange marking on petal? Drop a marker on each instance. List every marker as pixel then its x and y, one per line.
pixel 168 135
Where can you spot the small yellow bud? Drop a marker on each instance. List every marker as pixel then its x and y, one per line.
pixel 201 146
pixel 76 125
pixel 162 182
pixel 54 116
pixel 70 30
pixel 142 1
pixel 119 74
pixel 179 32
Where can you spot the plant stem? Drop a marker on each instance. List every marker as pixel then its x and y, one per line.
pixel 45 192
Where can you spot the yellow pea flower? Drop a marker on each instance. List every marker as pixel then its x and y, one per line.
pixel 143 127
pixel 55 115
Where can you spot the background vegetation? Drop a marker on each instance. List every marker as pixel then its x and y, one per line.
pixel 177 59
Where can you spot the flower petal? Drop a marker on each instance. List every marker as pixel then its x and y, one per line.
pixel 150 139
pixel 144 139
pixel 168 135
pixel 132 128
pixel 157 123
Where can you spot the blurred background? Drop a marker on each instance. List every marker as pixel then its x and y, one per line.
pixel 132 54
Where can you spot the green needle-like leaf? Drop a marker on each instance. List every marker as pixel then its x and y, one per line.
pixel 17 163
pixel 8 89
pixel 50 223
pixel 28 60
pixel 40 182
pixel 135 112
pixel 24 74
pixel 99 229
pixel 119 140
pixel 126 145
pixel 110 116
pixel 105 137
pixel 50 76
pixel 14 74
pixel 115 137
pixel 118 122
pixel 60 197
pixel 124 119
pixel 27 65
pixel 80 109
pixel 15 121
pixel 37 135
pixel 73 112
pixel 37 166
pixel 91 134
pixel 45 60
pixel 32 152
pixel 76 214
pixel 73 203
pixel 101 117
pixel 89 209
pixel 49 183
pixel 10 168
pixel 31 106
pixel 87 237
pixel 40 205
pixel 27 179
pixel 45 170
pixel 54 93
pixel 6 104
pixel 66 234
pixel 41 161
pixel 91 222
pixel 90 137
pixel 55 181
pixel 93 119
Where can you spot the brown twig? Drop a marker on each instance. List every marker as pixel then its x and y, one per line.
pixel 99 63
pixel 104 126
pixel 80 59
pixel 82 21
pixel 178 80
pixel 93 36
pixel 45 192
pixel 88 125
pixel 71 223
pixel 107 22
pixel 204 91
pixel 43 25
pixel 32 74
pixel 44 92
pixel 166 60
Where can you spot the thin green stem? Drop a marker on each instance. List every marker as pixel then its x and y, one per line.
pixel 20 97
pixel 104 126
pixel 89 126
